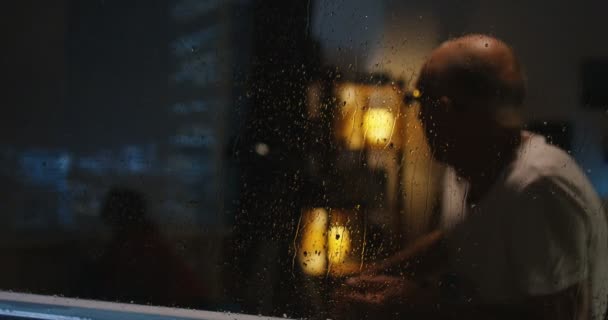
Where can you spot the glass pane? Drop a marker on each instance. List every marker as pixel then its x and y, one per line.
pixel 314 159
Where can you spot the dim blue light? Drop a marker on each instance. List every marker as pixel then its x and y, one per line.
pixel 190 44
pixel 185 108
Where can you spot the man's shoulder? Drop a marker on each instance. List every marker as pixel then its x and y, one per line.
pixel 540 162
pixel 549 175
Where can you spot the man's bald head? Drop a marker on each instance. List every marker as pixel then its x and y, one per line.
pixel 474 68
pixel 472 92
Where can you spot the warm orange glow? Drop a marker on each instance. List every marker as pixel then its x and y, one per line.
pixel 349 116
pixel 339 244
pixel 416 94
pixel 420 170
pixel 367 116
pixel 378 126
pixel 349 94
pixel 312 254
pixel 329 243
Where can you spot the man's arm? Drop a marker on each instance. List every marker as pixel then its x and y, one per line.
pixel 426 253
pixel 374 294
pixel 373 291
pixel 548 251
pixel 571 303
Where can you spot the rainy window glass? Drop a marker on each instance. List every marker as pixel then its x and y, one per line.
pixel 308 159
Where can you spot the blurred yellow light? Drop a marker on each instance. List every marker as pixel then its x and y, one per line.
pixel 366 116
pixel 350 116
pixel 416 93
pixel 338 244
pixel 312 253
pixel 378 126
pixel 349 94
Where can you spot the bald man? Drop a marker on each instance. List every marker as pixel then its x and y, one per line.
pixel 523 233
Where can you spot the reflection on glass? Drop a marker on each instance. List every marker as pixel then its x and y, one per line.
pixel 312 254
pixel 254 129
pixel 338 244
pixel 378 124
pixel 367 116
pixel 350 118
pixel 330 242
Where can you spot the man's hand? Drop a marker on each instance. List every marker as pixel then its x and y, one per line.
pixel 375 297
pixel 424 253
pixel 378 290
pixel 372 292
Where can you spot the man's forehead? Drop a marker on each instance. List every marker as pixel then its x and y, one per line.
pixel 473 52
pixel 476 41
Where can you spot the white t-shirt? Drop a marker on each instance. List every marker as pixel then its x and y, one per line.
pixel 541 228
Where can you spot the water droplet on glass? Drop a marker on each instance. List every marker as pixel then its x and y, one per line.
pixel 262 149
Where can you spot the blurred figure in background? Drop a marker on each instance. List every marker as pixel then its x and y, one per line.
pixel 523 234
pixel 138 265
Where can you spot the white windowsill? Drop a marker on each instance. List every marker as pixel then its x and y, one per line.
pixel 33 306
